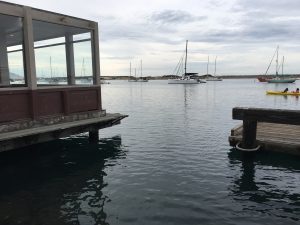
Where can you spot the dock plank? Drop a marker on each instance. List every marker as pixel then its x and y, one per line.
pixel 25 137
pixel 272 137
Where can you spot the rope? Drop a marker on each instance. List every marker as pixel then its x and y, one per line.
pixel 246 149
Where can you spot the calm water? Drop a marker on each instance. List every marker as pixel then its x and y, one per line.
pixel 169 162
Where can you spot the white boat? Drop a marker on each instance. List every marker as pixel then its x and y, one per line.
pixel 130 79
pixel 214 77
pixel 185 78
pixel 142 79
pixel 183 81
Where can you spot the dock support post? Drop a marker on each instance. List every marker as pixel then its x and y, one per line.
pixel 94 136
pixel 249 134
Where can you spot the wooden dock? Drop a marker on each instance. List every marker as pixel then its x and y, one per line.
pixel 271 129
pixel 24 137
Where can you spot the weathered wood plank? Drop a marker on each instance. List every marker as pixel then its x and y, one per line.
pixel 281 116
pixel 272 137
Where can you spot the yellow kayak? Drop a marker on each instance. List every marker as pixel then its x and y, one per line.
pixel 282 93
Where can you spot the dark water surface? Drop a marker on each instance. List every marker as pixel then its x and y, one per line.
pixel 169 162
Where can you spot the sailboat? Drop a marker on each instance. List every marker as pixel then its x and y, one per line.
pixel 130 79
pixel 186 77
pixel 281 78
pixel 213 78
pixel 142 79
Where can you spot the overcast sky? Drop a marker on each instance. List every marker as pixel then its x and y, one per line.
pixel 243 34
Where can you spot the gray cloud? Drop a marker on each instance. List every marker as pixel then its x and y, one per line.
pixel 258 25
pixel 174 17
pixel 269 6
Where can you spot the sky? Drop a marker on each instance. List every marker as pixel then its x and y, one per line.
pixel 242 34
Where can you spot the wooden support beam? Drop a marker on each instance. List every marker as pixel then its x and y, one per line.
pixel 251 116
pixel 249 134
pixel 94 136
pixel 282 116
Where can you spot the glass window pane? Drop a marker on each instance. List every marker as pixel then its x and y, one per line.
pixel 11 54
pixel 83 36
pixel 16 67
pixel 51 65
pixel 52 41
pixel 83 62
pixel 62 51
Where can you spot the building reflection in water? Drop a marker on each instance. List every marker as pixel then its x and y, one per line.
pixel 58 182
pixel 267 183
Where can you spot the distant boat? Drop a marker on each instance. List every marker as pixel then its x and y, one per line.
pixel 282 93
pixel 214 77
pixel 186 78
pixel 130 79
pixel 142 79
pixel 263 79
pixel 279 78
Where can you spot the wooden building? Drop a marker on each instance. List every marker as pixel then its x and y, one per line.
pixel 36 48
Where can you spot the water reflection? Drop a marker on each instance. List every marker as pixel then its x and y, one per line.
pixel 58 182
pixel 266 183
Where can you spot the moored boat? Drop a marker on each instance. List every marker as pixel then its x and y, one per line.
pixel 282 93
pixel 142 79
pixel 263 79
pixel 130 77
pixel 279 78
pixel 214 77
pixel 186 78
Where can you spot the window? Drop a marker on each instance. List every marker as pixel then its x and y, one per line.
pixel 11 51
pixel 83 59
pixel 63 54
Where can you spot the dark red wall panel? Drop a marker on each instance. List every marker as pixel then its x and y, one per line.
pixel 83 100
pixel 49 103
pixel 14 106
pixel 32 104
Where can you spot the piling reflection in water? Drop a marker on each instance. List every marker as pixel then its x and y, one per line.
pixel 57 183
pixel 258 183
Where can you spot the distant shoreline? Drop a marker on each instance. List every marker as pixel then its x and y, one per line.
pixel 165 77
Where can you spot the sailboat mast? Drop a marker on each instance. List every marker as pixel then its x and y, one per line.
pixel 141 68
pixel 215 66
pixel 207 65
pixel 130 69
pixel 277 61
pixel 282 64
pixel 185 57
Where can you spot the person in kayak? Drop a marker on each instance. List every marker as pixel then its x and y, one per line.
pixel 285 90
pixel 297 91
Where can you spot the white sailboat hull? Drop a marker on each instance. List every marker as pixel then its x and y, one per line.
pixel 142 80
pixel 183 81
pixel 214 79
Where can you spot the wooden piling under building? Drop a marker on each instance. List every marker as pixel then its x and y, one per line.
pixel 271 129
